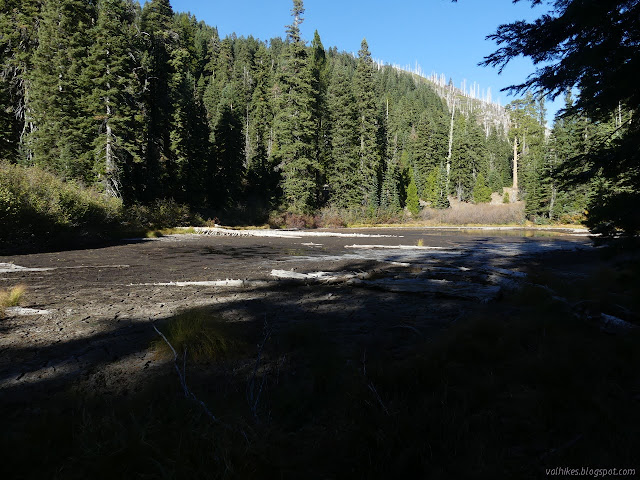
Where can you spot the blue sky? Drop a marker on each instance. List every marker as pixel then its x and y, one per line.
pixel 440 36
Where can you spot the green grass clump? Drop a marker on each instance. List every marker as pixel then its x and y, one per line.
pixel 203 336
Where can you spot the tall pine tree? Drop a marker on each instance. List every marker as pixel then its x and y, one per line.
pixel 294 124
pixel 369 168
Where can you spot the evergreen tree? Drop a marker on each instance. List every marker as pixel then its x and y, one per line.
pixel 342 169
pixel 229 153
pixel 529 140
pixel 481 191
pixel 60 136
pixel 110 100
pixel 319 86
pixel 294 123
pixel 369 167
pixel 441 194
pixel 18 41
pixel 263 179
pixel 390 191
pixel 413 202
pixel 568 199
pixel 158 171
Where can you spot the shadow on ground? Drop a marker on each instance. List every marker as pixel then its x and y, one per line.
pixel 333 381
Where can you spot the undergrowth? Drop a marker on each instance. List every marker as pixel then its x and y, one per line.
pixel 40 210
pixel 34 202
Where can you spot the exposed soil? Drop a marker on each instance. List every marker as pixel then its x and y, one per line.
pixel 96 306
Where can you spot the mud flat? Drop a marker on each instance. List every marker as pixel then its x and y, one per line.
pixel 88 313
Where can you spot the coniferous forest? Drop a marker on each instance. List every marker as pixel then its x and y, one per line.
pixel 144 103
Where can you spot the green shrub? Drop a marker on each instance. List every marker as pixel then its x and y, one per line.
pixel 34 202
pixel 163 213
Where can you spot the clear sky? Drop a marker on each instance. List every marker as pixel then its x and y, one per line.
pixel 439 35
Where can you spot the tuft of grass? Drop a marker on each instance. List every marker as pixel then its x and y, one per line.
pixel 421 242
pixel 199 333
pixel 11 298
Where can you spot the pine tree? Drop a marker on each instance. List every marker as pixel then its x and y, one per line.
pixel 413 202
pixel 481 191
pixel 390 190
pixel 158 170
pixel 342 169
pixel 369 168
pixel 294 123
pixel 18 41
pixel 262 177
pixel 110 102
pixel 60 137
pixel 568 141
pixel 441 194
pixel 229 154
pixel 528 138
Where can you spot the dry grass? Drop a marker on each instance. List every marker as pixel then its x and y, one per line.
pixel 468 214
pixel 170 231
pixel 11 298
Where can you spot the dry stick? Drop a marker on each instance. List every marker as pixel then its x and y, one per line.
pixel 370 385
pixel 182 375
pixel 253 402
pixel 375 392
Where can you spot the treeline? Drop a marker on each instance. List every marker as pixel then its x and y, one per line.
pixel 146 104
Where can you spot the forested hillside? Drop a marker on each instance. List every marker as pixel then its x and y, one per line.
pixel 146 103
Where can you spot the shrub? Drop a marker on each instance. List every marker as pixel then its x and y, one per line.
pixel 34 202
pixel 331 217
pixel 163 213
pixel 288 219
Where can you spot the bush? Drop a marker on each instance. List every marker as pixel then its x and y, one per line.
pixel 331 217
pixel 34 202
pixel 291 220
pixel 164 213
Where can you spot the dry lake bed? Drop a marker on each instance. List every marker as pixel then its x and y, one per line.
pixel 88 315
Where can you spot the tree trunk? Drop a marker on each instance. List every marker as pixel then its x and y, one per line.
pixel 515 163
pixel 111 169
pixel 453 110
